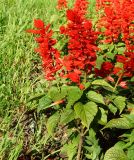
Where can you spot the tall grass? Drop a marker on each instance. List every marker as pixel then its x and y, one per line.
pixel 16 47
pixel 20 73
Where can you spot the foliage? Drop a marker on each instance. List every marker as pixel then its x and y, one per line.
pixel 84 109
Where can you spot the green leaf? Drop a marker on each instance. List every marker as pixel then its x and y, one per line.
pixel 44 103
pixel 110 55
pixel 112 108
pixel 130 153
pixel 122 123
pixel 86 112
pixel 73 94
pixel 92 146
pixel 52 123
pixel 56 94
pixel 120 144
pixel 121 50
pixel 115 154
pixel 103 46
pixel 130 117
pixel 103 119
pixel 36 97
pixel 132 79
pixel 111 47
pixel 99 61
pixel 96 97
pixel 120 44
pixel 71 148
pixel 67 116
pixel 103 83
pixel 119 101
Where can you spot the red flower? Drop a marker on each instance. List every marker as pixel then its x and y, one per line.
pixel 106 69
pixel 117 71
pixel 117 19
pixel 81 42
pixel 123 84
pixel 62 4
pixel 39 24
pixel 107 66
pixel 109 78
pixel 74 77
pixel 121 58
pixel 50 56
pixel 81 7
pixel 81 86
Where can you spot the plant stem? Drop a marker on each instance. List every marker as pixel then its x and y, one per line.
pixel 85 77
pixel 52 153
pixel 80 145
pixel 117 82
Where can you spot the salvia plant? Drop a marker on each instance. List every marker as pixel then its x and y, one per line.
pixel 88 63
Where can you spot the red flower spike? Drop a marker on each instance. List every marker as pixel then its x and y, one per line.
pixel 81 42
pixel 50 56
pixel 39 24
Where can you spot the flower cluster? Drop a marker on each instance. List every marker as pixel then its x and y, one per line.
pixel 118 22
pixel 82 48
pixel 81 42
pixel 50 55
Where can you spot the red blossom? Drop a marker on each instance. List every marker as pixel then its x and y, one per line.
pixel 81 7
pixel 109 78
pixel 62 4
pixel 81 86
pixel 50 56
pixel 81 42
pixel 123 84
pixel 105 70
pixel 117 20
pixel 82 48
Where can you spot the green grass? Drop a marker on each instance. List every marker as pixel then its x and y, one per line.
pixel 19 78
pixel 20 70
pixel 16 47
